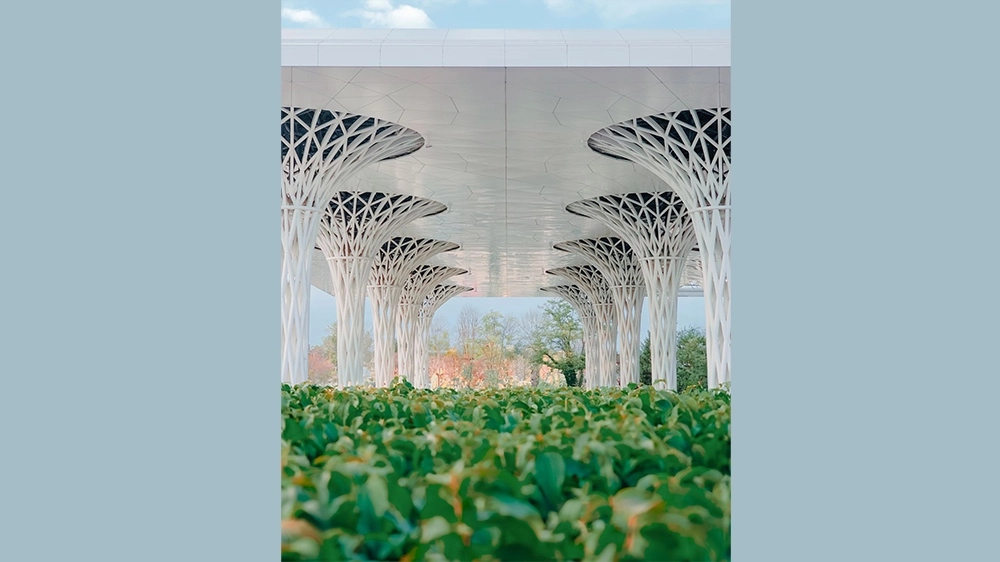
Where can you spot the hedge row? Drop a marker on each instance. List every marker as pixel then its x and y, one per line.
pixel 511 474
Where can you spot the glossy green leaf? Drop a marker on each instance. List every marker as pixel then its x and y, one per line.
pixel 515 474
pixel 550 472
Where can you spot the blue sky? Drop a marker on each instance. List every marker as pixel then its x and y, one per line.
pixel 508 14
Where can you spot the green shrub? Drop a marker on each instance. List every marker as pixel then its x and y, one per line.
pixel 692 360
pixel 509 474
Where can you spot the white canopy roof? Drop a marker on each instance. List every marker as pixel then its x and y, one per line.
pixel 506 115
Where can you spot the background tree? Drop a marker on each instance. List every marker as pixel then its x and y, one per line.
pixel 440 340
pixel 321 370
pixel 491 378
pixel 529 327
pixel 692 360
pixel 522 372
pixel 329 344
pixel 328 349
pixel 468 331
pixel 496 339
pixel 558 341
pixel 468 375
pixel 645 363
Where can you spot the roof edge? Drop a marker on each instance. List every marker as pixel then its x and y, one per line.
pixel 364 47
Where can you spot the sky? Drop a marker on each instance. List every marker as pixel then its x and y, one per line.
pixel 501 14
pixel 507 14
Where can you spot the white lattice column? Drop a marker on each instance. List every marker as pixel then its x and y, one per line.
pixel 578 299
pixel 384 300
pixel 598 291
pixel 693 273
pixel 439 295
pixel 660 233
pixel 320 150
pixel 617 262
pixel 298 226
pixel 353 229
pixel 714 224
pixel 350 277
pixel 591 347
pixel 665 274
pixel 418 285
pixel 690 151
pixel 395 259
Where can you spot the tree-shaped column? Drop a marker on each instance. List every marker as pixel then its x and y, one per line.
pixel 598 291
pixel 320 150
pixel 419 284
pixel 616 261
pixel 578 299
pixel 393 263
pixel 693 273
pixel 352 230
pixel 439 295
pixel 660 233
pixel 690 151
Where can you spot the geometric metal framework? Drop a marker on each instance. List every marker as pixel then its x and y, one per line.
pixel 320 150
pixel 693 272
pixel 393 263
pixel 660 232
pixel 432 302
pixel 598 291
pixel 578 299
pixel 420 282
pixel 617 262
pixel 690 151
pixel 354 227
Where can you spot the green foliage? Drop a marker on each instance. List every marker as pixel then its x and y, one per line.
pixel 440 340
pixel 491 377
pixel 467 374
pixel 329 345
pixel 511 474
pixel 556 341
pixel 692 360
pixel 645 363
pixel 496 338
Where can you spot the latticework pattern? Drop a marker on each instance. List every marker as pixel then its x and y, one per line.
pixel 578 299
pixel 419 284
pixel 598 292
pixel 393 264
pixel 352 230
pixel 320 150
pixel 693 272
pixel 439 295
pixel 661 234
pixel 617 262
pixel 690 151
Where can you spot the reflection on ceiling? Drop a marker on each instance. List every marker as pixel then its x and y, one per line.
pixel 506 150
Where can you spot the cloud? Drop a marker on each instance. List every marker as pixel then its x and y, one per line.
pixel 615 11
pixel 382 13
pixel 451 2
pixel 307 18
